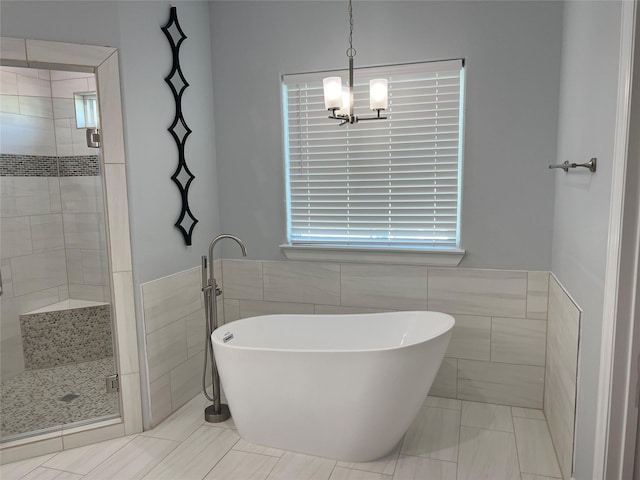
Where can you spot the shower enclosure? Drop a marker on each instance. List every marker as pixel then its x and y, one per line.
pixel 56 341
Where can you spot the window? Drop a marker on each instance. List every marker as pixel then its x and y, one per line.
pixel 86 109
pixel 392 183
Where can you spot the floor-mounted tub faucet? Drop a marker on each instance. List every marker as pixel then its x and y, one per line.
pixel 218 412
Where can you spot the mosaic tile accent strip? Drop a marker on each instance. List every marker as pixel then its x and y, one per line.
pixel 32 400
pixel 79 166
pixel 12 165
pixel 66 336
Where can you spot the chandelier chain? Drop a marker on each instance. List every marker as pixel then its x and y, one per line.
pixel 351 52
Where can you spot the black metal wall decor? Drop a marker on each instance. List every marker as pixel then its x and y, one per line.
pixel 179 128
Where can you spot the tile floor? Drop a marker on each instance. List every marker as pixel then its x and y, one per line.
pixel 450 440
pixel 33 400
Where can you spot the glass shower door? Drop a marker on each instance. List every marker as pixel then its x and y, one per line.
pixel 56 341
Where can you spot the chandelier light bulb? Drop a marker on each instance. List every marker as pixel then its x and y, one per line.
pixel 346 101
pixel 378 94
pixel 332 92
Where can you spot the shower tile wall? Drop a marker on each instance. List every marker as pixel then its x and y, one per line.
pixel 561 372
pixel 174 320
pixel 49 224
pixel 496 354
pixel 497 350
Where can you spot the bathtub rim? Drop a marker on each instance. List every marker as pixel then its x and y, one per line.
pixel 217 334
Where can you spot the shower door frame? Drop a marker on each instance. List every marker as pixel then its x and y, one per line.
pixel 103 62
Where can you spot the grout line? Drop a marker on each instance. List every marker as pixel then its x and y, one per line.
pixel 515 440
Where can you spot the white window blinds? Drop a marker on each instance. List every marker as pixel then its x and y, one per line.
pixel 385 183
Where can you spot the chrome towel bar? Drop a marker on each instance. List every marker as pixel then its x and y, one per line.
pixel 591 165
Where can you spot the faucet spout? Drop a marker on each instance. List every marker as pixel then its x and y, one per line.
pixel 220 237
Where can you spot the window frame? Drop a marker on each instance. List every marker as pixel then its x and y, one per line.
pixel 428 254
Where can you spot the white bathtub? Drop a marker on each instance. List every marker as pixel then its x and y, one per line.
pixel 337 386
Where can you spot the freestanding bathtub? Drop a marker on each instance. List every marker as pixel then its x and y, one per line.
pixel 337 386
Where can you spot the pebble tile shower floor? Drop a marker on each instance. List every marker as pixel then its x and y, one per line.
pixel 450 440
pixel 49 397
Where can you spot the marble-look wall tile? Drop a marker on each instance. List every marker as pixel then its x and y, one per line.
pixel 471 338
pixel 242 279
pixel 400 287
pixel 84 230
pixel 55 202
pixel 186 381
pixel 33 86
pixel 64 140
pixel 47 232
pixel 518 341
pixel 11 352
pixel 501 383
pixel 9 104
pixel 446 381
pixel 160 398
pixel 63 108
pixel 15 237
pixel 252 308
pixel 67 87
pixel 95 270
pixel 97 293
pixel 8 83
pixel 231 310
pixel 27 135
pixel 82 194
pixel 39 271
pixel 22 196
pixel 340 310
pixel 166 349
pixel 561 372
pixel 64 75
pixel 196 333
pixel 303 282
pixel 171 298
pixel 36 106
pixel 79 142
pixel 478 292
pixel 537 295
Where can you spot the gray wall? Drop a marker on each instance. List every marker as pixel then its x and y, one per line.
pixel 588 92
pixel 513 66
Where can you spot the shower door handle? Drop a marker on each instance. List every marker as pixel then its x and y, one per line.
pixel 0 282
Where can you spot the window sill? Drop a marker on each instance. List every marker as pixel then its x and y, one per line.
pixel 399 256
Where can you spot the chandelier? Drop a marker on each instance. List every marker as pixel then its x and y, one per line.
pixel 339 100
